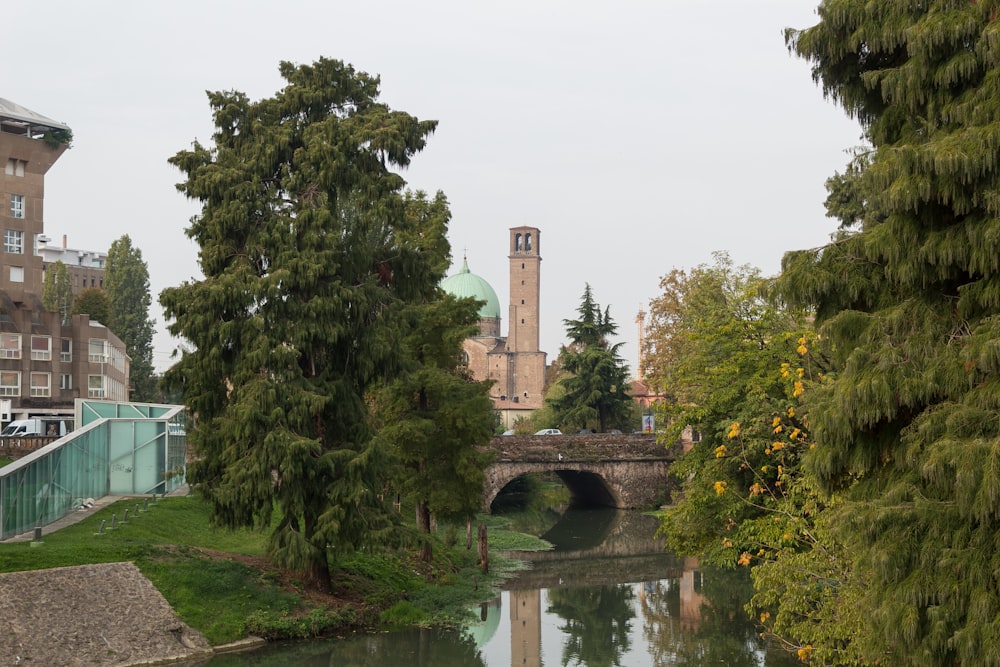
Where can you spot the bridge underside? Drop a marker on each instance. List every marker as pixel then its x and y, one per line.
pixel 607 484
pixel 587 489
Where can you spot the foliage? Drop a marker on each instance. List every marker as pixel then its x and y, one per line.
pixel 126 282
pixel 309 258
pixel 906 301
pixel 57 137
pixel 730 357
pixel 594 384
pixel 57 292
pixel 94 303
pixel 435 417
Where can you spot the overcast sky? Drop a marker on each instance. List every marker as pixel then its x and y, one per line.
pixel 638 136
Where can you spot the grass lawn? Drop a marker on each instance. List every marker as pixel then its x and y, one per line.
pixel 220 583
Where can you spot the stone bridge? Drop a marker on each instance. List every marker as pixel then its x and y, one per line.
pixel 599 469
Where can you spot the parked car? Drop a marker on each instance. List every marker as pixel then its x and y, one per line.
pixel 615 431
pixel 509 431
pixel 549 431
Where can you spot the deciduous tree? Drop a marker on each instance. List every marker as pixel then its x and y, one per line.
pixel 94 303
pixel 309 259
pixel 126 282
pixel 57 292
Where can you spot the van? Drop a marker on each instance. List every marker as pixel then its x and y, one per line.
pixel 21 428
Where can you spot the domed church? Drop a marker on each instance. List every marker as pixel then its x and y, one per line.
pixel 515 364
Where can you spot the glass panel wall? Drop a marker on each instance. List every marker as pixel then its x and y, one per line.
pixel 136 455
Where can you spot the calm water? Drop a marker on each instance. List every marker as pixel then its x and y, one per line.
pixel 607 596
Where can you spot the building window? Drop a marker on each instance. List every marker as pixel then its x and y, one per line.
pixel 41 348
pixel 95 386
pixel 65 381
pixel 41 384
pixel 13 241
pixel 17 274
pixel 98 351
pixel 17 206
pixel 15 167
pixel 10 346
pixel 66 353
pixel 10 383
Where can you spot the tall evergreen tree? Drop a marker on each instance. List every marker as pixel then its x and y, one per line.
pixel 436 417
pixel 126 282
pixel 907 299
pixel 596 381
pixel 57 292
pixel 309 258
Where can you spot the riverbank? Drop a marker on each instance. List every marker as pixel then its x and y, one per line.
pixel 197 597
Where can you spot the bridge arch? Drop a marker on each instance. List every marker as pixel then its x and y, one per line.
pixel 586 488
pixel 621 471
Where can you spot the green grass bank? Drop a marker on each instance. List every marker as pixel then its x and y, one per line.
pixel 219 582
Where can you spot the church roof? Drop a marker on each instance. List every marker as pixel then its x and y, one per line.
pixel 465 283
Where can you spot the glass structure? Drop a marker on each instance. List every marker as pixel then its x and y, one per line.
pixel 116 449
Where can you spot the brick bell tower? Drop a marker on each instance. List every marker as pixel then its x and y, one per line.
pixel 526 363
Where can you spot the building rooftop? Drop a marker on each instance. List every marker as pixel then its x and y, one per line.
pixel 20 120
pixel 465 283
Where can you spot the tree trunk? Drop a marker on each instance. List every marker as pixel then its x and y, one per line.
pixel 319 576
pixel 468 533
pixel 424 526
pixel 484 552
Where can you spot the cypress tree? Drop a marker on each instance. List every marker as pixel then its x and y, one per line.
pixel 907 298
pixel 308 260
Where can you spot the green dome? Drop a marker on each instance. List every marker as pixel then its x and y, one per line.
pixel 465 283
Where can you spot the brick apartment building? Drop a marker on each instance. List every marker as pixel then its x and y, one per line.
pixel 45 362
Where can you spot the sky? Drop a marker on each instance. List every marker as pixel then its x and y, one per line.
pixel 638 136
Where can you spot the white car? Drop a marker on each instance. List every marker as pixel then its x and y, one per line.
pixel 549 431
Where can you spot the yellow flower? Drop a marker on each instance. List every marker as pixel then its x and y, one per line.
pixel 756 489
pixel 726 542
pixel 805 652
pixel 775 446
pixel 720 488
pixel 794 434
pixel 720 451
pixel 734 430
pixel 799 389
pixel 785 370
pixel 800 372
pixel 791 412
pixel 744 559
pixel 764 616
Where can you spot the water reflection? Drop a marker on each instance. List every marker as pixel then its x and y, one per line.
pixel 615 602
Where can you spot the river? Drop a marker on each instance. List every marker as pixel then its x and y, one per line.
pixel 607 596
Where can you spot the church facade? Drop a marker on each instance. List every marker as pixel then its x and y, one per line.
pixel 514 363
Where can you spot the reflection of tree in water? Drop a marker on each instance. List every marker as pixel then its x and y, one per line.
pixel 723 634
pixel 597 623
pixel 408 648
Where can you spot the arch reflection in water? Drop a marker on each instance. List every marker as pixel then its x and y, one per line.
pixel 621 602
